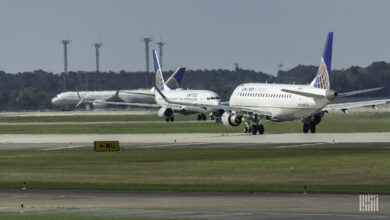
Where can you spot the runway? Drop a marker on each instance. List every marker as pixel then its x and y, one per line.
pixel 190 205
pixel 210 138
pixel 76 113
pixel 98 123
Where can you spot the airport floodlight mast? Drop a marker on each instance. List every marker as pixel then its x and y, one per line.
pixel 65 43
pixel 147 40
pixel 160 45
pixel 97 47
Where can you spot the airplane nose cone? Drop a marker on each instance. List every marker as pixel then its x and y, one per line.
pixel 54 101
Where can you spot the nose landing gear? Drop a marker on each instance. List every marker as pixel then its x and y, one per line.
pixel 202 117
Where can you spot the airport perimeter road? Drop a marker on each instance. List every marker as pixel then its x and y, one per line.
pixel 191 204
pixel 74 113
pixel 289 138
pixel 98 123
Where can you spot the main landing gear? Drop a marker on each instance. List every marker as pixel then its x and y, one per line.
pixel 202 117
pixel 170 119
pixel 254 129
pixel 307 127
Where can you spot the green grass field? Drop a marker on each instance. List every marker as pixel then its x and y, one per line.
pixel 63 217
pixel 355 122
pixel 342 170
pixel 92 118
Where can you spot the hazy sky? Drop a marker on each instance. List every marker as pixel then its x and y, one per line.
pixel 200 34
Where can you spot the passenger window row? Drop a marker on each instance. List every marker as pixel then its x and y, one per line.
pixel 265 95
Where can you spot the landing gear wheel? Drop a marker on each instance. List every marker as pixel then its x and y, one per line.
pixel 261 129
pixel 199 118
pixel 313 128
pixel 167 119
pixel 305 128
pixel 204 117
pixel 254 129
pixel 172 119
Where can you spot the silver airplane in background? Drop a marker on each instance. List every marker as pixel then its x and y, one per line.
pixel 167 110
pixel 70 99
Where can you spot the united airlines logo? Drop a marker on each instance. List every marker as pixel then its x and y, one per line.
pixel 322 78
pixel 159 80
pixel 172 83
pixel 368 203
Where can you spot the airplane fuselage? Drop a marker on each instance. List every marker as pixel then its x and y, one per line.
pixel 189 96
pixel 70 98
pixel 284 106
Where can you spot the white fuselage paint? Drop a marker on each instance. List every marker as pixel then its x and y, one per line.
pixel 71 98
pixel 189 96
pixel 284 106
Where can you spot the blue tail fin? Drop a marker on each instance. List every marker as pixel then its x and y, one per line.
pixel 322 79
pixel 174 81
pixel 159 77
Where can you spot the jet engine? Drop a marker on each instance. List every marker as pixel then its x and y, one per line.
pixel 165 112
pixel 230 120
pixel 99 105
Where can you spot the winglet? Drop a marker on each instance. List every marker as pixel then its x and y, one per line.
pixel 322 79
pixel 159 77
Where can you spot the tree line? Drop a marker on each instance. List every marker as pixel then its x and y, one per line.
pixel 34 90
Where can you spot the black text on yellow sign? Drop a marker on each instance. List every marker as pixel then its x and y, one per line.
pixel 100 146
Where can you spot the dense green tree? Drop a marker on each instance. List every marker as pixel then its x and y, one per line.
pixel 34 90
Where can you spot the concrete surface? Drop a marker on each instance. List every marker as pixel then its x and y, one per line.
pixel 190 205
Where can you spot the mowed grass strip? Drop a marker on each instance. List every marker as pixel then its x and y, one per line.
pixel 331 123
pixel 68 217
pixel 349 170
pixel 330 126
pixel 150 116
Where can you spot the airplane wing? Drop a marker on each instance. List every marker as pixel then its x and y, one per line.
pixel 237 110
pixel 128 104
pixel 145 105
pixel 139 93
pixel 348 105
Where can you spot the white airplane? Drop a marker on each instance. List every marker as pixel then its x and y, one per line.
pixel 256 102
pixel 70 99
pixel 167 110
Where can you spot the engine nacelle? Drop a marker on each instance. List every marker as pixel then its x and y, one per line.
pixel 230 120
pixel 165 112
pixel 99 105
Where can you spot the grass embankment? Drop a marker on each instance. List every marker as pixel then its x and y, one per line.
pixel 63 217
pixel 331 123
pixel 349 170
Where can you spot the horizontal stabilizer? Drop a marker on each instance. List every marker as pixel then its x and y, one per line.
pixel 345 94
